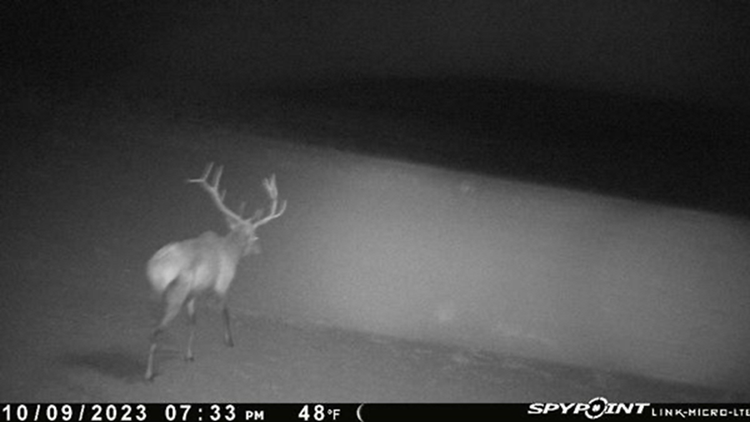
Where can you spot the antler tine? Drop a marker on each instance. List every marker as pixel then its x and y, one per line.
pixel 213 191
pixel 217 176
pixel 270 185
pixel 205 175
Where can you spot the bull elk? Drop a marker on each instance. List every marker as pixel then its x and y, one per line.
pixel 180 272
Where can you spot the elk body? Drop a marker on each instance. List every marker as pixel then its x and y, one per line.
pixel 180 272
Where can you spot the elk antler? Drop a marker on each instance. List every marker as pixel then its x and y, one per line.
pixel 270 185
pixel 213 191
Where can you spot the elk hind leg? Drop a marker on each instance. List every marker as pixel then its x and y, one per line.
pixel 175 296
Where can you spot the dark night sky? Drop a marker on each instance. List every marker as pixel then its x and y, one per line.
pixel 693 50
pixel 562 76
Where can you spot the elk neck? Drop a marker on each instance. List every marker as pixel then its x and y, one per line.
pixel 237 241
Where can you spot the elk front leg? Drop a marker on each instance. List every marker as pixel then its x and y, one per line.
pixel 192 319
pixel 227 328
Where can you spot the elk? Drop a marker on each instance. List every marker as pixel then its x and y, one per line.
pixel 181 272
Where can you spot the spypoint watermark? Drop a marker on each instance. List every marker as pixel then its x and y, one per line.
pixel 594 409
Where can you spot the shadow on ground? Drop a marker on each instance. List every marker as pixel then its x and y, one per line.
pixel 119 364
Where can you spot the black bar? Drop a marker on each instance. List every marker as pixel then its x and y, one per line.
pixel 356 412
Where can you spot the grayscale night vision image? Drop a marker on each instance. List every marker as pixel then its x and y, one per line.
pixel 484 201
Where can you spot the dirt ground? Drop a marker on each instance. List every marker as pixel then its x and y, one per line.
pixel 73 352
pixel 75 317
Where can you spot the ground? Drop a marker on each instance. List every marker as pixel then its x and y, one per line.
pixel 76 313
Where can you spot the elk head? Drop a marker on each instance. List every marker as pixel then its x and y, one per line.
pixel 242 230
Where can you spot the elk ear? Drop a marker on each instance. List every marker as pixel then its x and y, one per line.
pixel 233 224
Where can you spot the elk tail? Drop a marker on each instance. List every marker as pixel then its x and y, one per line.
pixel 164 268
